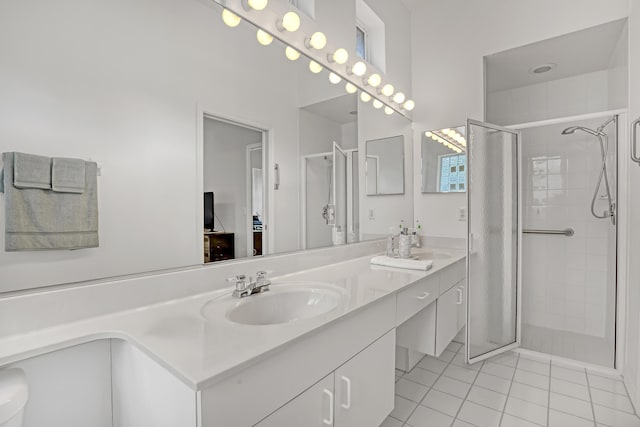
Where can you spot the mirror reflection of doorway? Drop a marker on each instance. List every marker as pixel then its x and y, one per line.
pixel 233 174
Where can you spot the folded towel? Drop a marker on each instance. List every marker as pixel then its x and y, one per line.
pixel 67 175
pixel 37 219
pixel 31 171
pixel 410 264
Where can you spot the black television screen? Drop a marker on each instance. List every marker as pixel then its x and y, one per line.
pixel 209 216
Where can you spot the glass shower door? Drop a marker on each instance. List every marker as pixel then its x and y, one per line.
pixel 493 244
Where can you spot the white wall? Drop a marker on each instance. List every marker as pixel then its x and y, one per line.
pixel 225 173
pixel 448 70
pixel 146 394
pixel 632 354
pixel 571 96
pixel 69 388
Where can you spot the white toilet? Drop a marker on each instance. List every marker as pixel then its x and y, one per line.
pixel 13 397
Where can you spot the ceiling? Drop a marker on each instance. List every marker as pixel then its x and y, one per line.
pixel 336 109
pixel 576 53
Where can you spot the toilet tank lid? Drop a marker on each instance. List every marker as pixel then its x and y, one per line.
pixel 13 393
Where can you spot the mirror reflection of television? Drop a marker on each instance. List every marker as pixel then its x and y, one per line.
pixel 209 216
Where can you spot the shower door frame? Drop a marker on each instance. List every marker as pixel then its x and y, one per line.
pixel 621 174
pixel 518 264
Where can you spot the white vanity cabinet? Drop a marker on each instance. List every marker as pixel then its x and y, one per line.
pixel 359 393
pixel 450 316
pixel 313 408
pixel 430 314
pixel 364 386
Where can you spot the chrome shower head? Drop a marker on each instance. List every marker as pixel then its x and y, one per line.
pixel 572 129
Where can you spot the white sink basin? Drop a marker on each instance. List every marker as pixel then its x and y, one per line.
pixel 283 303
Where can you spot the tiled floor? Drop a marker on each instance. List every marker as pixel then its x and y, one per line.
pixel 510 390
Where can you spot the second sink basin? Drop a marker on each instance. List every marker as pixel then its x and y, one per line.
pixel 283 303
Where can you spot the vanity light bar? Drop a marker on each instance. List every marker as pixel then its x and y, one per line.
pixel 273 23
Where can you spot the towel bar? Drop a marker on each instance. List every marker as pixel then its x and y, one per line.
pixel 566 232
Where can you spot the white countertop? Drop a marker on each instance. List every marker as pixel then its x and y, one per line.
pixel 200 351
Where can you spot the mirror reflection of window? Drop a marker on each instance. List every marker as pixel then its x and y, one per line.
pixel 444 161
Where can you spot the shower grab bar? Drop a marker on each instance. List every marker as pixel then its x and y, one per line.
pixel 566 232
pixel 634 140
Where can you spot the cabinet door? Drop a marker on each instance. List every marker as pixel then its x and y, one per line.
pixel 313 408
pixel 447 318
pixel 365 385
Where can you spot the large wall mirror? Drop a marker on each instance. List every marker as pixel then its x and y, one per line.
pixel 213 144
pixel 444 160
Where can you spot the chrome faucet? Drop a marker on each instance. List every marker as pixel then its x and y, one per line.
pixel 244 289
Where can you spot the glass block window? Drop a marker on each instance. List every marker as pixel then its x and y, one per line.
pixel 452 176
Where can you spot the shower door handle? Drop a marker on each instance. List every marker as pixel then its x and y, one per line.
pixel 634 141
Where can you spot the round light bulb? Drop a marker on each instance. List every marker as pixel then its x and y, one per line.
pixel 230 18
pixel 291 53
pixel 428 134
pixel 350 88
pixel 399 98
pixel 317 40
pixel 340 56
pixel 388 111
pixel 409 105
pixel 334 78
pixel 374 80
pixel 290 22
pixel 257 4
pixel 377 104
pixel 445 131
pixel 434 137
pixel 264 38
pixel 387 90
pixel 314 67
pixel 359 68
pixel 365 97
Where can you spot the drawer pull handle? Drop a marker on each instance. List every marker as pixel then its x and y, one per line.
pixel 459 296
pixel 347 381
pixel 329 421
pixel 423 296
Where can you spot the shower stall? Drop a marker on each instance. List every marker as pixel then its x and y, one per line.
pixel 330 202
pixel 569 243
pixel 543 238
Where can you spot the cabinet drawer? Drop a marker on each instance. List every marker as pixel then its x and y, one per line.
pixel 417 297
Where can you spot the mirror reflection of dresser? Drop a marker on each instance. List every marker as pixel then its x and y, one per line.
pixel 218 246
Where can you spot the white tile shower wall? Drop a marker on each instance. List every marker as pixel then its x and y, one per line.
pixel 565 280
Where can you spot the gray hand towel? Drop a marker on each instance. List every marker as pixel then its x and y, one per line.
pixel 37 219
pixel 67 175
pixel 31 171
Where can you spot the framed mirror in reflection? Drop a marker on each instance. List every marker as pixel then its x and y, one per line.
pixel 444 160
pixel 201 108
pixel 385 166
